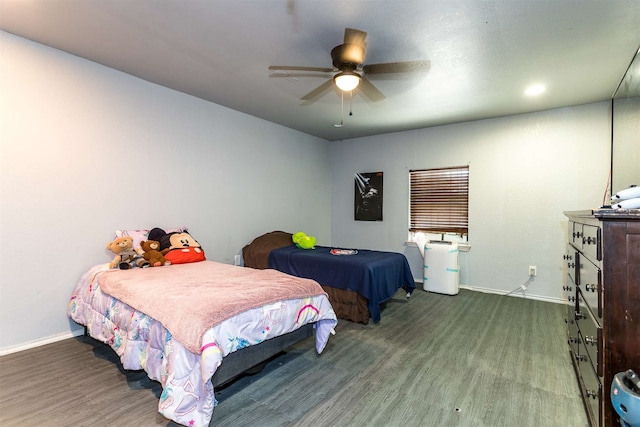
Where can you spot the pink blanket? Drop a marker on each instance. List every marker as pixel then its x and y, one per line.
pixel 188 299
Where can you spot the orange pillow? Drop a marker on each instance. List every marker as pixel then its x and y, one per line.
pixel 185 255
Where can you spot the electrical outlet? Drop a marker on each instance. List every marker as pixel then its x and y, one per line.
pixel 532 270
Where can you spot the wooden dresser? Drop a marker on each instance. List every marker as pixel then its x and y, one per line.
pixel 602 287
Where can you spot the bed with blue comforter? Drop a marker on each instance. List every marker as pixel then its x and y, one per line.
pixel 374 276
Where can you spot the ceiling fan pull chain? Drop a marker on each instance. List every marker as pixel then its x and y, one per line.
pixel 350 103
pixel 341 112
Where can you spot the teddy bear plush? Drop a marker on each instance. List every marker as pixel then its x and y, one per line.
pixel 126 256
pixel 152 254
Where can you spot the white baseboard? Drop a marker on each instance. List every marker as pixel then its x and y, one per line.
pixel 40 342
pixel 517 294
pixel 501 292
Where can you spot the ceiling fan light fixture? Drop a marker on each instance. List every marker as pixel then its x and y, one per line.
pixel 347 80
pixel 535 90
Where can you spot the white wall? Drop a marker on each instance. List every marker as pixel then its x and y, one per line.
pixel 524 171
pixel 86 150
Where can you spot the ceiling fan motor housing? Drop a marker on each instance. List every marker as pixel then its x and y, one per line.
pixel 347 57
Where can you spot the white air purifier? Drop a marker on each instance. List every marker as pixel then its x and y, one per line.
pixel 441 268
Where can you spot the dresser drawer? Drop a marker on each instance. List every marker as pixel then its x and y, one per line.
pixel 573 335
pixel 590 386
pixel 590 284
pixel 575 234
pixel 592 242
pixel 590 338
pixel 570 263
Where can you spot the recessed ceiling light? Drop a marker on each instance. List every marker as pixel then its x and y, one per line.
pixel 535 89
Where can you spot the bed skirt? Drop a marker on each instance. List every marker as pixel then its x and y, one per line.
pixel 348 305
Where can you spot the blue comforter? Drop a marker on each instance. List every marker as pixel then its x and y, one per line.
pixel 375 275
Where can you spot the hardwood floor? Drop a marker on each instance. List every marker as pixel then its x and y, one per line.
pixel 473 359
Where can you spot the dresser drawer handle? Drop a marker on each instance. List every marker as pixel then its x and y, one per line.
pixel 590 340
pixel 592 394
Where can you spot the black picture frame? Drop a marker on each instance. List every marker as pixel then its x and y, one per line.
pixel 368 196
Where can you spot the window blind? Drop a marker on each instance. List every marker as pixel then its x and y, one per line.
pixel 439 200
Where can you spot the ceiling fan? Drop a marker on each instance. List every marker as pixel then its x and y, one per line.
pixel 350 70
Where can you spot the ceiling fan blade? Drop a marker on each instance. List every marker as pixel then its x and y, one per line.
pixel 398 67
pixel 357 37
pixel 320 90
pixel 284 74
pixel 370 91
pixel 294 68
pixel 353 49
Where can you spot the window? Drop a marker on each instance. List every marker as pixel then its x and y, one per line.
pixel 439 200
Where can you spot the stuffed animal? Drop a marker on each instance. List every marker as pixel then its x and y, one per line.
pixel 126 256
pixel 151 252
pixel 303 241
pixel 178 247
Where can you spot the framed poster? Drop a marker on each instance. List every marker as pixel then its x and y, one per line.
pixel 368 196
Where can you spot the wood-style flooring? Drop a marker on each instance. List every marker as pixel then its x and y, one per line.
pixel 474 359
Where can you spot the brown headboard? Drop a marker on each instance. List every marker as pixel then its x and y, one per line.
pixel 256 253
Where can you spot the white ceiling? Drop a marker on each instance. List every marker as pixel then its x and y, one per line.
pixel 483 53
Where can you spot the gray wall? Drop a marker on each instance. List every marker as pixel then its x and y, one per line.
pixel 524 171
pixel 86 150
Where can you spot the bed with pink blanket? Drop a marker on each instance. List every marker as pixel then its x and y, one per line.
pixel 181 323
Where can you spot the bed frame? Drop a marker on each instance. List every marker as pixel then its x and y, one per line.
pixel 251 360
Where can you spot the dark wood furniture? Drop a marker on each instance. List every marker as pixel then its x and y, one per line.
pixel 603 315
